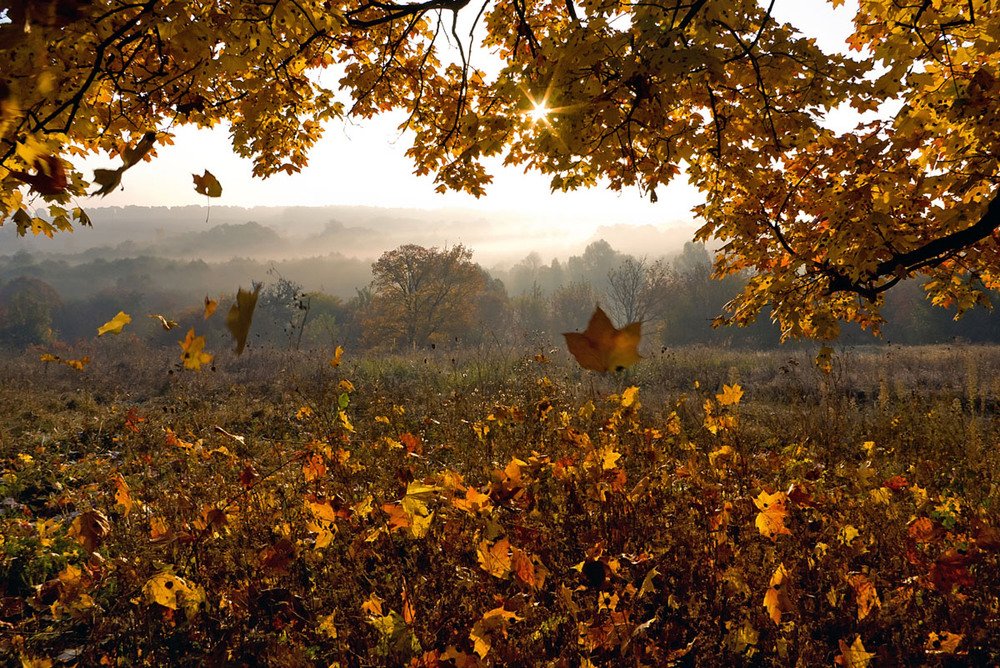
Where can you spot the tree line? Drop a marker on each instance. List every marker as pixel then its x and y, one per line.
pixel 420 297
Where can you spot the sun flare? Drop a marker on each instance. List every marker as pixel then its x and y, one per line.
pixel 539 112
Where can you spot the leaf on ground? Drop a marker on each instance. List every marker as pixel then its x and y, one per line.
pixel 90 528
pixel 773 512
pixel 777 599
pixel 495 559
pixel 854 655
pixel 865 594
pixel 493 622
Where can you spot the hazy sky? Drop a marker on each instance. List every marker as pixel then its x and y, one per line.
pixel 363 164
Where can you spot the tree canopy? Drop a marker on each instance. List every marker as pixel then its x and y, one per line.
pixel 825 220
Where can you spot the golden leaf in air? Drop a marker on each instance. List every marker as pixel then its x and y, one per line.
pixel 79 364
pixel 337 354
pixel 115 325
pixel 165 323
pixel 854 655
pixel 210 306
pixel 207 184
pixel 241 314
pixel 602 347
pixel 777 599
pixel 193 354
pixel 773 511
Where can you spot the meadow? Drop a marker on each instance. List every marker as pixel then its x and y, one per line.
pixel 709 507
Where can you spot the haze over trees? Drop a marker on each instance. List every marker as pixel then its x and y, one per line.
pixel 825 220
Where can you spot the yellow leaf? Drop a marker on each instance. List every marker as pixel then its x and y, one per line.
pixel 773 512
pixel 48 357
pixel 207 184
pixel 337 354
pixel 241 314
pixel 853 656
pixel 629 396
pixel 79 364
pixel 730 396
pixel 192 354
pixel 163 588
pixel 602 347
pixel 123 496
pixel 492 622
pixel 848 534
pixel 777 599
pixel 115 325
pixel 327 626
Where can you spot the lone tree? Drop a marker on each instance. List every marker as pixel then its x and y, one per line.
pixel 824 220
pixel 423 295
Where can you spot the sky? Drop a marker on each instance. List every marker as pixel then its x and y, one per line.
pixel 364 164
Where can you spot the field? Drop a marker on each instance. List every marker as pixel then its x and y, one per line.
pixel 712 507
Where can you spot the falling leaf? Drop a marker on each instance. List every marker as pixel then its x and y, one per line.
pixel 602 347
pixel 853 656
pixel 824 359
pixel 730 396
pixel 207 184
pixel 337 353
pixel 164 322
pixel 192 354
pixel 240 315
pixel 773 512
pixel 865 594
pixel 115 325
pixel 210 306
pixel 629 396
pixel 777 600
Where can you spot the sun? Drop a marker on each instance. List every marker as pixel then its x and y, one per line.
pixel 539 112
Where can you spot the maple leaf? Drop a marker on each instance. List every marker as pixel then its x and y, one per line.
pixel 730 396
pixel 854 655
pixel 241 314
pixel 115 325
pixel 777 599
pixel 207 184
pixel 495 559
pixel 943 643
pixel 602 347
pixel 492 622
pixel 192 354
pixel 773 512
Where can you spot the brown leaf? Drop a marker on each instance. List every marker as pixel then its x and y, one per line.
pixel 241 314
pixel 90 528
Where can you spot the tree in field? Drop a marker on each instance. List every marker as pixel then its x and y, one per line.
pixel 423 295
pixel 825 220
pixel 27 306
pixel 638 288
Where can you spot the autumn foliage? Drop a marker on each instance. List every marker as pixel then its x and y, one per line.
pixel 365 519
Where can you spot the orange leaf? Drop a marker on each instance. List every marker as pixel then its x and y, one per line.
pixel 777 600
pixel 495 559
pixel 865 593
pixel 602 347
pixel 210 306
